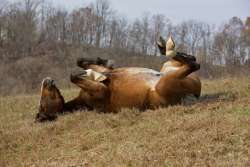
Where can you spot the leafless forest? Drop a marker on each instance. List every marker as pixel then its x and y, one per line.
pixel 38 39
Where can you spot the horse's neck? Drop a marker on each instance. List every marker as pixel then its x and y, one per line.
pixel 170 66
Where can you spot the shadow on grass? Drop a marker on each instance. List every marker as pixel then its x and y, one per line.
pixel 220 96
pixel 209 98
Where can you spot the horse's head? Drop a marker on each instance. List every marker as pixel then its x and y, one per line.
pixel 51 101
pixel 98 64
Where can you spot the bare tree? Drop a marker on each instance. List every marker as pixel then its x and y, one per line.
pixel 135 36
pixel 228 42
pixel 145 33
pixel 20 27
pixel 159 23
pixel 118 33
pixel 245 38
pixel 246 32
pixel 56 25
pixel 102 11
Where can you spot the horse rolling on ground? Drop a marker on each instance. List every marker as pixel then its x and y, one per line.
pixel 139 87
pixel 135 87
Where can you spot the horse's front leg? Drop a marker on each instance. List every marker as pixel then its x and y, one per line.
pixel 94 93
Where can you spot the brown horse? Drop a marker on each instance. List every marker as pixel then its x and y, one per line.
pixel 134 87
pixel 114 90
pixel 138 87
pixel 166 48
pixel 177 60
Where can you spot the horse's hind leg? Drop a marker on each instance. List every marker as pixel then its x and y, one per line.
pixel 176 84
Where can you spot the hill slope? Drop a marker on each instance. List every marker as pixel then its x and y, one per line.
pixel 215 131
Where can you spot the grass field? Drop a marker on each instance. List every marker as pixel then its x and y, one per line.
pixel 215 131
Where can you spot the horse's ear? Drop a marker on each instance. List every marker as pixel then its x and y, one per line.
pixel 170 47
pixel 161 43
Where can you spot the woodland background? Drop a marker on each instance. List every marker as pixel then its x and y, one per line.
pixel 38 39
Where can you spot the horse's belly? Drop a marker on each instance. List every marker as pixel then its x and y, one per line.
pixel 135 87
pixel 128 97
pixel 131 91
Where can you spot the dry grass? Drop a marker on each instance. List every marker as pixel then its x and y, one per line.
pixel 213 132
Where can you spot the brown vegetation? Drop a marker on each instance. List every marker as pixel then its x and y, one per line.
pixel 212 132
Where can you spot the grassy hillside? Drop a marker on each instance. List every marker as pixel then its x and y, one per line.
pixel 215 131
